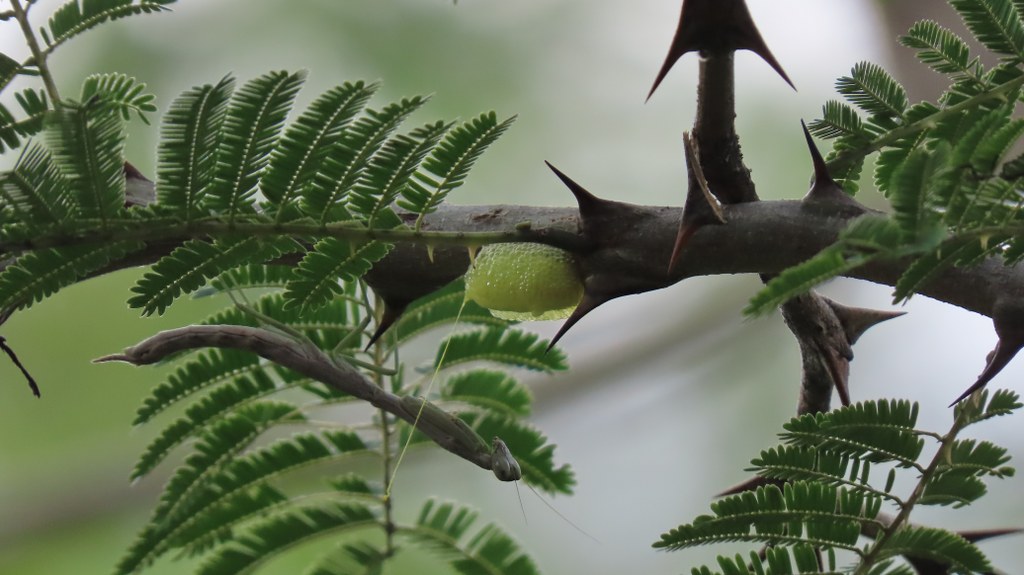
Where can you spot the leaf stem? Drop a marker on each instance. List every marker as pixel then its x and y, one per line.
pixel 379 359
pixel 871 556
pixel 21 15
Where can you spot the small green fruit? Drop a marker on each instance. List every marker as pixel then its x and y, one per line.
pixel 525 281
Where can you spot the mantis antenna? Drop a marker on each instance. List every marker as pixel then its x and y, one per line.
pixel 506 468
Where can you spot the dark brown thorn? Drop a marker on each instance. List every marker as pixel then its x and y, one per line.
pixel 387 319
pixel 823 188
pixel 995 362
pixel 587 304
pixel 716 26
pixel 981 534
pixel 857 320
pixel 14 357
pixel 586 201
pixel 1008 319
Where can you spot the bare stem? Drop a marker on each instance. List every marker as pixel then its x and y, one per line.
pixel 38 55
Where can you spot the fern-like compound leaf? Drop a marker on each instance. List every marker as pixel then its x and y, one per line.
pixel 802 463
pixel 943 50
pixel 872 89
pixel 909 193
pixel 251 276
pixel 40 274
pixel 390 169
pixel 300 154
pixel 511 347
pixel 445 528
pixel 875 431
pixel 938 545
pixel 87 141
pixel 189 140
pixel 9 70
pixel 448 165
pixel 360 558
pixel 347 162
pixel 995 23
pixel 802 512
pixel 228 486
pixel 187 267
pixel 839 120
pixel 220 402
pixel 252 125
pixel 491 390
pixel 219 445
pixel 35 189
pixel 320 274
pixel 123 92
pixel 77 16
pixel 210 368
pixel 442 307
pixel 279 532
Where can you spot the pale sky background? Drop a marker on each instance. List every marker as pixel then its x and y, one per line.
pixel 641 439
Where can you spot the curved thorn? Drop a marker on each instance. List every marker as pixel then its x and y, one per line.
pixel 683 236
pixel 586 305
pixel 387 319
pixel 584 199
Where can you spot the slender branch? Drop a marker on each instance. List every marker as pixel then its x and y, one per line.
pixel 21 15
pixel 903 517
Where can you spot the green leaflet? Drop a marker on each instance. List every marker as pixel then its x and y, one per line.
pixel 344 167
pixel 510 347
pixel 124 93
pixel 40 274
pixel 36 189
pixel 252 124
pixel 189 266
pixel 391 168
pixel 351 559
pixel 448 165
pixel 87 141
pixel 995 23
pixel 873 90
pixel 319 275
pixel 276 534
pixel 76 16
pixel 943 50
pixel 189 138
pixel 446 527
pixel 489 389
pixel 298 157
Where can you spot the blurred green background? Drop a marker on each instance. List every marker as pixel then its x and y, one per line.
pixel 671 393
